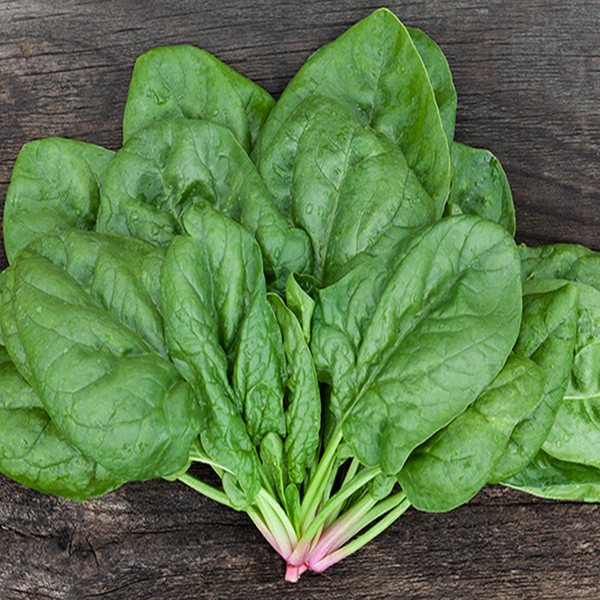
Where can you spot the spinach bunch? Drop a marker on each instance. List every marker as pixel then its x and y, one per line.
pixel 319 297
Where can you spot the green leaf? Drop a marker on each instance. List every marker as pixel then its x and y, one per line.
pixel 178 163
pixel 375 70
pixel 300 303
pixel 549 477
pixel 292 501
pixel 55 185
pixel 452 466
pixel 224 338
pixel 410 339
pixel 381 487
pixel 547 336
pixel 35 453
pixel 303 401
pixel 480 186
pixel 349 187
pixel 561 261
pixel 184 81
pixel 273 464
pixel 87 336
pixel 440 77
pixel 575 435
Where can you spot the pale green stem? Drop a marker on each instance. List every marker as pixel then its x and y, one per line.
pixel 350 473
pixel 206 489
pixel 341 530
pixel 266 532
pixel 362 514
pixel 309 536
pixel 359 542
pixel 314 493
pixel 277 521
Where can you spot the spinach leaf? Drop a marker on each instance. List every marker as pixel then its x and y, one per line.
pixel 55 185
pixel 375 70
pixel 184 81
pixel 480 186
pixel 300 303
pixel 409 340
pixel 561 261
pixel 177 163
pixel 453 465
pixel 34 452
pixel 440 77
pixel 547 336
pixel 303 401
pixel 549 477
pixel 349 187
pixel 224 338
pixel 575 434
pixel 81 324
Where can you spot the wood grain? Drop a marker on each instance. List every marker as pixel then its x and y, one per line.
pixel 528 79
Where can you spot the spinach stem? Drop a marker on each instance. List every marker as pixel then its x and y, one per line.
pixel 206 489
pixel 278 522
pixel 337 500
pixel 358 543
pixel 314 493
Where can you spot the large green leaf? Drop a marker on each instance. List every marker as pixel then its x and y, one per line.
pixel 575 435
pixel 452 466
pixel 547 336
pixel 549 477
pixel 55 185
pixel 34 452
pixel 480 186
pixel 184 81
pixel 81 323
pixel 177 163
pixel 375 70
pixel 224 338
pixel 347 186
pixel 409 340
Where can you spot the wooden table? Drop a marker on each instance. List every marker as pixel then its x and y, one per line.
pixel 528 79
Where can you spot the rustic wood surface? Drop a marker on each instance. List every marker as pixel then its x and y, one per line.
pixel 528 79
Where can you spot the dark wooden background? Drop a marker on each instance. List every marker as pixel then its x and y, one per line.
pixel 528 79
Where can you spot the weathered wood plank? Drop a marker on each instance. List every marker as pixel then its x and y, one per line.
pixel 528 77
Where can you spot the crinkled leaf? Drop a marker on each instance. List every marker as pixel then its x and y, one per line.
pixel 452 466
pixel 87 336
pixel 303 401
pixel 410 339
pixel 35 453
pixel 349 187
pixel 547 336
pixel 375 70
pixel 224 338
pixel 55 185
pixel 178 163
pixel 184 81
pixel 480 186
pixel 549 477
pixel 561 261
pixel 575 435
